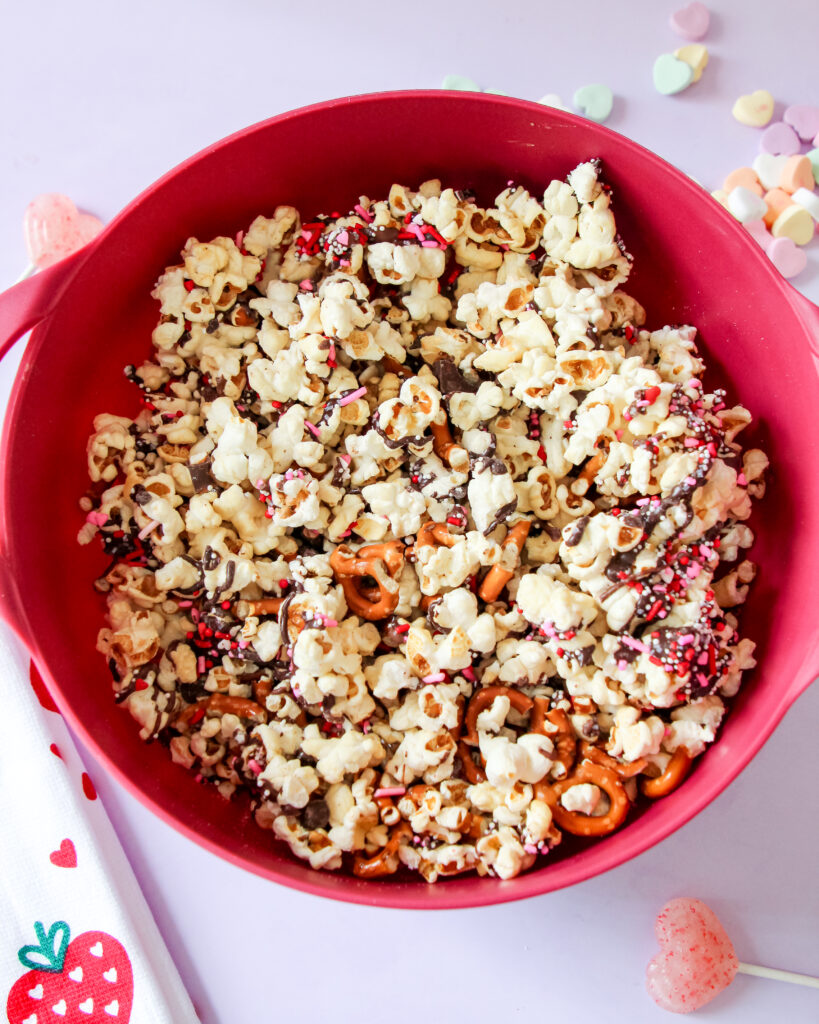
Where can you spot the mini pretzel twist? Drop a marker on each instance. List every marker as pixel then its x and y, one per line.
pixel 563 737
pixel 266 606
pixel 445 447
pixel 626 771
pixel 483 699
pixel 586 476
pixel 223 704
pixel 386 861
pixel 434 534
pixel 585 824
pixel 351 566
pixel 497 577
pixel 675 771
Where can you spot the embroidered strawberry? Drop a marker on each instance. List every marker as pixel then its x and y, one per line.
pixel 85 981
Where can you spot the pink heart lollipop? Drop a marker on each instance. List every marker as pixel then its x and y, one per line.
pixel 697 959
pixel 54 228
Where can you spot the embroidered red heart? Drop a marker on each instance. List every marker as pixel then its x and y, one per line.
pixel 66 856
pixel 39 687
pixel 88 787
pixel 54 228
pixel 696 959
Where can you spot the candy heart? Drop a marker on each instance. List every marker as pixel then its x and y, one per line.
pixel 779 138
pixel 808 199
pixel 776 200
pixel 671 75
pixel 65 857
pixel 594 101
pixel 551 99
pixel 813 156
pixel 788 258
pixel 695 56
pixel 461 83
pixel 721 197
pixel 797 172
pixel 755 110
pixel 696 959
pixel 691 22
pixel 804 120
pixel 760 234
pixel 745 177
pixel 795 223
pixel 54 228
pixel 746 205
pixel 769 169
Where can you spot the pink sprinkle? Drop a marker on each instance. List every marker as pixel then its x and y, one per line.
pixel 434 677
pixel 306 285
pixel 643 501
pixel 346 459
pixel 429 243
pixel 195 614
pixel 530 848
pixel 741 480
pixel 691 480
pixel 622 665
pixel 254 766
pixel 353 396
pixel 365 726
pixel 97 518
pixel 331 354
pixel 344 263
pixel 289 474
pixel 312 428
pixel 329 623
pixel 692 571
pixel 244 644
pixel 200 664
pixel 143 533
pixel 259 484
pixel 416 230
pixel 184 604
pixel 618 434
pixel 239 237
pixel 686 638
pixel 390 791
pixel 691 442
pixel 365 215
pixel 468 673
pixel 637 645
pixel 693 383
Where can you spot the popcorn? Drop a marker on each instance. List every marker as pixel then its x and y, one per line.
pixel 394 457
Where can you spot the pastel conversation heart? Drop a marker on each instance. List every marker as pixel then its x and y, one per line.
pixel 755 109
pixel 695 56
pixel 696 959
pixel 757 230
pixel 746 205
pixel 794 222
pixel 671 75
pixel 54 228
pixel 594 101
pixel 812 156
pixel 787 257
pixel 804 120
pixel 744 176
pixel 691 22
pixel 779 138
pixel 460 83
pixel 551 99
pixel 769 169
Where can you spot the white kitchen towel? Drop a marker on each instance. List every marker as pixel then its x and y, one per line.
pixel 77 940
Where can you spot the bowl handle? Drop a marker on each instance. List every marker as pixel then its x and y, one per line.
pixel 808 313
pixel 29 303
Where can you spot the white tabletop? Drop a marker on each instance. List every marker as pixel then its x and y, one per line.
pixel 100 100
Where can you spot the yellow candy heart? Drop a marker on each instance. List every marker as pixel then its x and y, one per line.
pixel 755 110
pixel 695 56
pixel 720 195
pixel 795 223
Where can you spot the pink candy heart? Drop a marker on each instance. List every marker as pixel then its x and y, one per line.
pixel 54 228
pixel 779 139
pixel 787 257
pixel 691 22
pixel 804 120
pixel 696 959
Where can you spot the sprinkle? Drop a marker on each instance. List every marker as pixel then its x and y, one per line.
pixel 691 480
pixel 622 665
pixel 352 396
pixel 637 645
pixel 254 766
pixel 403 628
pixel 692 442
pixel 306 285
pixel 312 428
pixel 365 215
pixel 530 848
pixel 143 533
pixel 741 480
pixel 97 518
pixel 434 677
pixel 200 664
pixel 390 791
pixel 329 623
pixel 184 604
pixel 468 673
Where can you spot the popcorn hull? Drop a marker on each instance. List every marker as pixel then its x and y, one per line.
pixel 92 314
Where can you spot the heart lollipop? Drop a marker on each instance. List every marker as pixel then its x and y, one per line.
pixel 54 228
pixel 697 959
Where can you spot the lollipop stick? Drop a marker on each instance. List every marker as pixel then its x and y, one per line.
pixel 775 975
pixel 30 269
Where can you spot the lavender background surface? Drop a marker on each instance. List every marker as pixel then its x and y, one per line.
pixel 103 98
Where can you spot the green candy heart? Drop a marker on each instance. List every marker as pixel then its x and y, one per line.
pixel 461 83
pixel 50 953
pixel 813 156
pixel 671 74
pixel 594 101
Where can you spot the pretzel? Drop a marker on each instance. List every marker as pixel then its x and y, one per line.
pixel 564 739
pixel 223 704
pixel 588 473
pixel 434 534
pixel 386 861
pixel 349 566
pixel 445 447
pixel 585 824
pixel 266 606
pixel 626 771
pixel 675 771
pixel 497 577
pixel 483 699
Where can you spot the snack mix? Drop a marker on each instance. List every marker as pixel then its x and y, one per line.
pixel 420 537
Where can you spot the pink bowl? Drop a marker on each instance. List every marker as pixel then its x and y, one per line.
pixel 93 314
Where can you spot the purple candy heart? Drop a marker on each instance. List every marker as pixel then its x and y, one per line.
pixel 779 139
pixel 804 119
pixel 788 258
